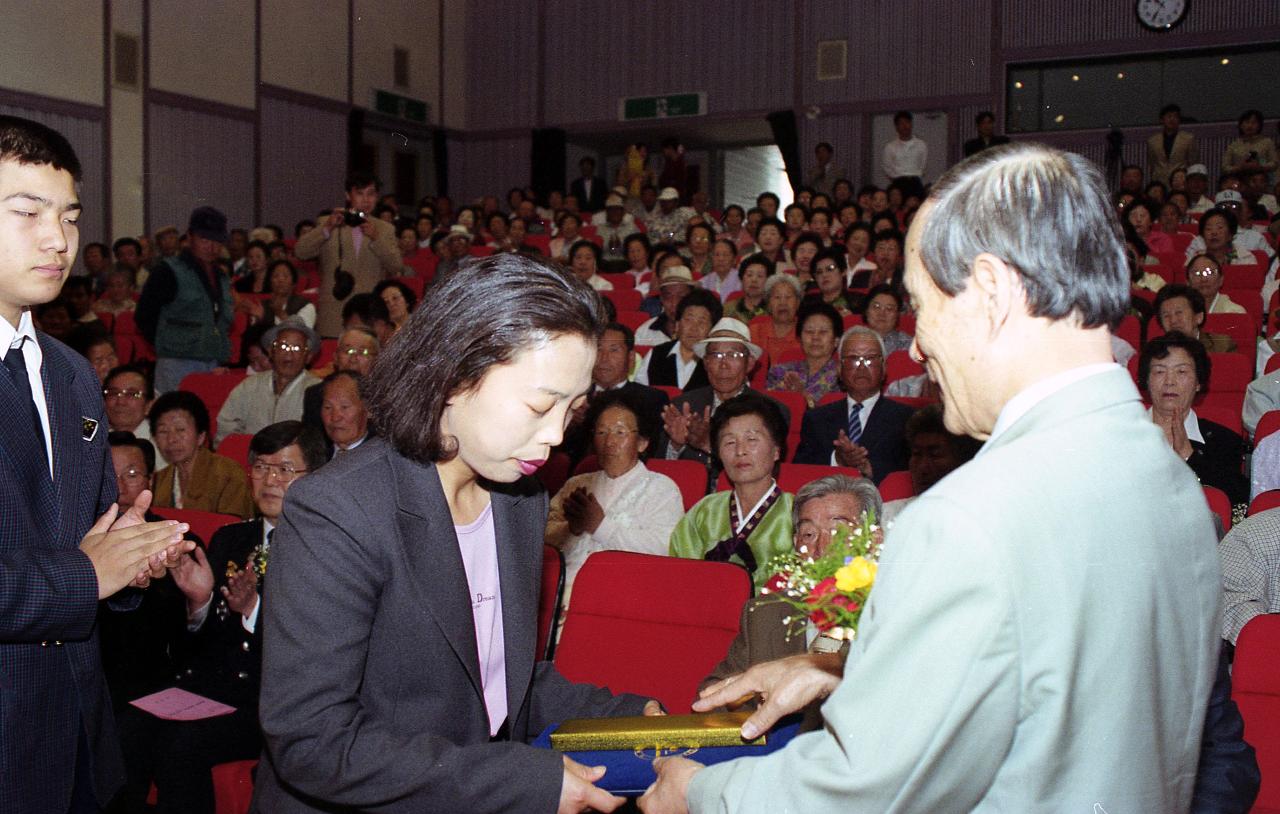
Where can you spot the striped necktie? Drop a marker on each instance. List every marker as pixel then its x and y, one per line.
pixel 855 424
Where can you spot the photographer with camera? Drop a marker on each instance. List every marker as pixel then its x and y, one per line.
pixel 356 251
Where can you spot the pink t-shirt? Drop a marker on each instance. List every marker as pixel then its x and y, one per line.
pixel 479 548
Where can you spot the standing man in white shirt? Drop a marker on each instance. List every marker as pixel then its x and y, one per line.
pixel 905 156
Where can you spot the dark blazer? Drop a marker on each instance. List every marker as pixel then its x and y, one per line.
pixel 577 439
pixel 699 400
pixel 977 145
pixel 662 369
pixel 1219 460
pixel 51 681
pixel 883 434
pixel 593 202
pixel 371 690
pixel 223 660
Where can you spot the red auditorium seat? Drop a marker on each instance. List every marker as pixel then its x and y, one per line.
pixel 623 631
pixel 1255 687
pixel 633 319
pixel 213 389
pixel 552 592
pixel 233 786
pixel 1130 330
pixel 328 347
pixel 896 486
pixel 1219 504
pixel 1267 500
pixel 236 447
pixel 1230 372
pixel 1269 423
pixel 554 472
pixel 203 524
pixel 900 365
pixel 1240 327
pixel 792 476
pixel 689 476
pixel 624 299
pixel 1273 362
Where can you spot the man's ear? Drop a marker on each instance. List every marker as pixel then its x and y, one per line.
pixel 998 288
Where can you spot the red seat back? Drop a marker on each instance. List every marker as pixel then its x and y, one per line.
pixel 650 625
pixel 588 464
pixel 1267 500
pixel 236 447
pixel 896 486
pixel 1256 691
pixel 1248 276
pixel 213 389
pixel 796 405
pixel 549 600
pixel 1219 504
pixel 632 319
pixel 689 476
pixel 1240 327
pixel 792 476
pixel 554 472
pixel 1230 372
pixel 1130 330
pixel 1273 361
pixel 1250 299
pixel 900 365
pixel 203 524
pixel 233 786
pixel 1269 423
pixel 624 299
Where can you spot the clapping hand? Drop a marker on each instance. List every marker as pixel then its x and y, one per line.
pixel 676 423
pixel 241 590
pixel 583 511
pixel 792 381
pixel 700 430
pixel 851 454
pixel 194 577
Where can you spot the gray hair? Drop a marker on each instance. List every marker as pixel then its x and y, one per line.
pixel 775 280
pixel 1045 213
pixel 861 488
pixel 861 330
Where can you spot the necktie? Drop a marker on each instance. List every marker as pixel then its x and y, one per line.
pixel 855 424
pixel 16 363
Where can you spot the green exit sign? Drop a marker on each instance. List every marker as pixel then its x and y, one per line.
pixel 637 108
pixel 402 107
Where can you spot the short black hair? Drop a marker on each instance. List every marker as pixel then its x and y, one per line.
pixel 833 254
pixel 102 247
pixel 1174 290
pixel 189 403
pixel 983 115
pixel 359 179
pixel 757 259
pixel 123 438
pixel 302 224
pixel 410 298
pixel 481 315
pixel 367 307
pixel 1170 108
pixel 750 403
pixel 1162 346
pixel 275 437
pixel 126 241
pixel 701 298
pixel 29 142
pixel 819 308
pixel 886 236
pixel 646 421
pixel 771 195
pixel 902 114
pixel 293 271
pixel 824 145
pixel 642 239
pixel 628 335
pixel 148 389
pixel 1233 225
pixel 578 244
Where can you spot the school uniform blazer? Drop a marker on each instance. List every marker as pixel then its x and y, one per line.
pixel 371 693
pixel 51 680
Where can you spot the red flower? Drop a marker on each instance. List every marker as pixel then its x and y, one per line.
pixel 826 593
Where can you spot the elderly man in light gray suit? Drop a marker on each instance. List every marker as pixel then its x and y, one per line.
pixel 1043 635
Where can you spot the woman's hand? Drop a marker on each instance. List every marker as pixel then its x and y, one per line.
pixel 792 381
pixel 583 511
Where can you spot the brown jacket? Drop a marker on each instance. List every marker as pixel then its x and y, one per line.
pixel 218 484
pixel 378 259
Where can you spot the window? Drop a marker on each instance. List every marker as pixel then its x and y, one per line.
pixel 1129 91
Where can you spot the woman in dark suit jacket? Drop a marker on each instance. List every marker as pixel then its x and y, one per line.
pixel 399 670
pixel 1173 368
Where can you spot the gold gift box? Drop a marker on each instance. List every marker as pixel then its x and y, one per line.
pixel 652 731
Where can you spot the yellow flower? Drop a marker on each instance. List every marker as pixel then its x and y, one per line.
pixel 859 573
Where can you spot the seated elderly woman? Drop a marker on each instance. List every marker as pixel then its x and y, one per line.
pixel 399 299
pixel 1204 274
pixel 803 251
pixel 1181 308
pixel 750 523
pixel 584 262
pixel 621 507
pixel 777 335
pixel 195 478
pixel 1141 215
pixel 754 271
pixel 764 633
pixel 1218 228
pixel 818 373
pixel 828 277
pixel 282 281
pixel 1172 369
pixel 881 310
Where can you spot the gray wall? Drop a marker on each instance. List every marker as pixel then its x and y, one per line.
pixel 198 159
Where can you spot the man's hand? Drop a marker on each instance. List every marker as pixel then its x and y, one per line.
pixel 578 791
pixel 676 423
pixel 241 590
pixel 121 555
pixel 652 708
pixel 158 563
pixel 700 430
pixel 851 454
pixel 669 795
pixel 369 229
pixel 783 685
pixel 194 577
pixel 335 219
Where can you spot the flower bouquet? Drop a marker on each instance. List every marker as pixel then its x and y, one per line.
pixel 830 588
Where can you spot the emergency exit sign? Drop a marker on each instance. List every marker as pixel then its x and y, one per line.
pixel 638 108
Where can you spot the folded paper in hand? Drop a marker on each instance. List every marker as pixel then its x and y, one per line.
pixel 176 704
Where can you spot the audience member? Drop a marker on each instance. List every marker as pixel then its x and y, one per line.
pixel 886 255
pixel 675 283
pixel 588 188
pixel 750 523
pixel 1205 276
pixel 698 248
pixel 283 303
pixel 1250 555
pixel 754 271
pixel 357 349
pixel 1171 148
pixel 185 310
pixel 354 250
pixel 906 155
pixel 777 334
pixel 1253 149
pixel 128 394
pixel 399 299
pixel 818 373
pixel 615 226
pixel 267 398
pixel 1197 186
pixel 986 124
pixel 1181 308
pixel 254 280
pixel 568 232
pixel 342 411
pixel 621 507
pixel 674 363
pixel 584 262
pixel 825 172
pixel 881 311
pixel 722 278
pixel 935 452
pixel 828 277
pixel 669 222
pixel 195 478
pixel 866 430
pixel 96 347
pixel 1142 218
pixel 1172 370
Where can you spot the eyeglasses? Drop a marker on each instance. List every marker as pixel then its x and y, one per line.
pixel 285 347
pixel 120 393
pixel 827 267
pixel 867 361
pixel 349 352
pixel 261 470
pixel 725 355
pixel 133 473
pixel 616 432
pixel 1209 272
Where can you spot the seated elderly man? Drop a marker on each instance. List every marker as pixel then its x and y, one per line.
pixel 1181 308
pixel 934 454
pixel 676 363
pixel 268 397
pixel 356 352
pixel 1250 556
pixel 764 633
pixel 127 393
pixel 866 429
pixel 345 419
pixel 675 283
pixel 728 355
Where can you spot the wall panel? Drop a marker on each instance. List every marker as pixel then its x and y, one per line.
pixel 304 47
pixel 198 159
pixel 85 136
pixel 53 48
pixel 490 166
pixel 383 25
pixel 304 155
pixel 203 48
pixel 501 54
pixel 1040 23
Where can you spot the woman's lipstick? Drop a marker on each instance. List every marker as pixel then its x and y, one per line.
pixel 529 467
